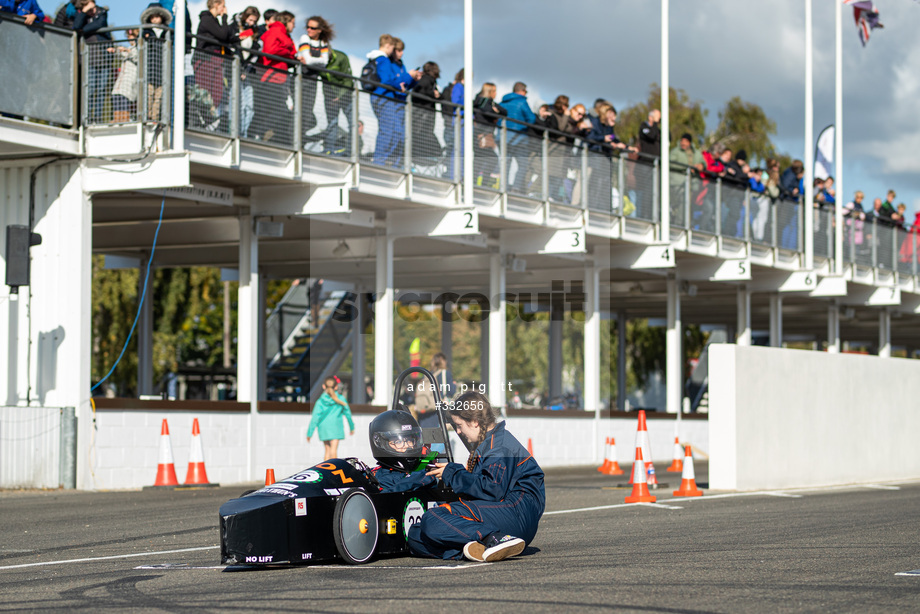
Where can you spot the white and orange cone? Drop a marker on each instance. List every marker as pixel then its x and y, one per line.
pixel 269 477
pixel 677 465
pixel 166 468
pixel 610 466
pixel 640 493
pixel 605 466
pixel 642 443
pixel 688 479
pixel 196 475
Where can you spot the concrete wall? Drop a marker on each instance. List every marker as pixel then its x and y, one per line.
pixel 126 447
pixel 782 418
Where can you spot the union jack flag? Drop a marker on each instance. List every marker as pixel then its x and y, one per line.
pixel 866 17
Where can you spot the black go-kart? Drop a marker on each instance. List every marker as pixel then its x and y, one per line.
pixel 332 511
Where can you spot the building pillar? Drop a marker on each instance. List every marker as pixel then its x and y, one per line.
pixel 497 313
pixel 776 320
pixel 884 333
pixel 833 328
pixel 383 322
pixel 358 362
pixel 592 388
pixel 621 361
pixel 674 373
pixel 556 317
pixel 448 313
pixel 145 330
pixel 484 351
pixel 248 367
pixel 744 316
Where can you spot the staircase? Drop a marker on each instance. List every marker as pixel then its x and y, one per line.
pixel 697 385
pixel 303 353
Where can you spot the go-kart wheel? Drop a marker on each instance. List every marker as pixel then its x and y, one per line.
pixel 355 526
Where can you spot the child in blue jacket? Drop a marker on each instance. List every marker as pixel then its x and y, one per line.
pixel 396 442
pixel 501 491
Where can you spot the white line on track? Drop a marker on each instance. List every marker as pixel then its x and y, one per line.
pixel 915 572
pixel 412 567
pixel 105 558
pixel 610 507
pixel 881 487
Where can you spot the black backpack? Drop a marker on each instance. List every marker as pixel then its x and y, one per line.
pixel 369 76
pixel 446 109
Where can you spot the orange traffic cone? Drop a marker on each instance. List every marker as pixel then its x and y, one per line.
pixel 640 493
pixel 642 443
pixel 196 475
pixel 605 466
pixel 677 465
pixel 166 468
pixel 610 467
pixel 269 477
pixel 688 479
pixel 530 446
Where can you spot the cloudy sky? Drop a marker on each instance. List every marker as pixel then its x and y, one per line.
pixel 719 48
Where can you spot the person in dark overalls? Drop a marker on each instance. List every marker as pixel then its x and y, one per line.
pixel 501 490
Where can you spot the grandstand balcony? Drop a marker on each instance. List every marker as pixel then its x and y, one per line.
pixel 276 173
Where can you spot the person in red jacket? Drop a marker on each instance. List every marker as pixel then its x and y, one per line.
pixel 274 97
pixel 705 211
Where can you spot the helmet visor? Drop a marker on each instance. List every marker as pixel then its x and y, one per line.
pixel 400 443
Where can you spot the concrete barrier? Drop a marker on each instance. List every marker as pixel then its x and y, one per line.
pixel 125 449
pixel 782 418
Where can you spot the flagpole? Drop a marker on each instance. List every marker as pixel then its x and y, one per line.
pixel 468 179
pixel 665 165
pixel 838 140
pixel 809 159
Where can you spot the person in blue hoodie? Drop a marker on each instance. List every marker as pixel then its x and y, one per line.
pixel 24 8
pixel 501 491
pixel 391 107
pixel 519 145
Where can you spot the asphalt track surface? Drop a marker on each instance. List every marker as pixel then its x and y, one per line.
pixel 817 550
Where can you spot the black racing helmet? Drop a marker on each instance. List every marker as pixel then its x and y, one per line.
pixel 396 440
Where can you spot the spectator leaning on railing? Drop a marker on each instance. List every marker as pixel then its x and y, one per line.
pixel 338 98
pixel 426 149
pixel 89 21
pixel 313 53
pixel 371 71
pixel 277 41
pixel 154 47
pixel 124 93
pixel 519 150
pixel 216 38
pixel 391 113
pixel 65 15
pixel 249 34
pixel 650 134
pixel 486 115
pixel 24 8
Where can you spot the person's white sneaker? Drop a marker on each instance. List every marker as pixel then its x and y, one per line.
pixel 473 551
pixel 499 548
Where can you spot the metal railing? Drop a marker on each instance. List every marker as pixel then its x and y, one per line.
pixel 126 79
pixel 237 95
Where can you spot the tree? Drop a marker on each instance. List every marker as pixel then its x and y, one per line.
pixel 744 125
pixel 685 115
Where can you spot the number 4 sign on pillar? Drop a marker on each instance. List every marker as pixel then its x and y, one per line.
pixel 655 257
